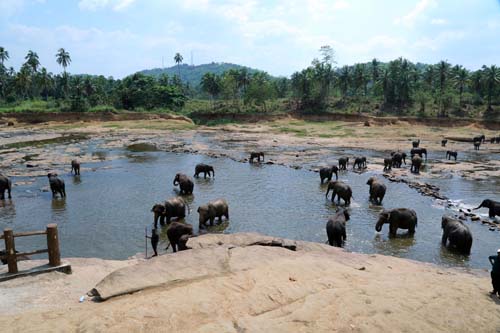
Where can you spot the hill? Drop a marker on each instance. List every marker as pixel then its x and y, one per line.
pixel 193 74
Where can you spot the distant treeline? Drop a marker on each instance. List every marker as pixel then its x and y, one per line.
pixel 394 87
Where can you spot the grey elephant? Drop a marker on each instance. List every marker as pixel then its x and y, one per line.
pixel 477 144
pixel 56 185
pixel 173 207
pixel 494 207
pixel 75 166
pixel 450 154
pixel 456 234
pixel 444 142
pixel 418 151
pixel 256 155
pixel 360 162
pixel 340 189
pixel 416 164
pixel 185 183
pixel 479 138
pixel 377 190
pixel 398 158
pixel 335 228
pixel 203 168
pixel 343 163
pixel 415 144
pixel 178 234
pixel 387 164
pixel 211 210
pixel 327 173
pixel 5 185
pixel 398 218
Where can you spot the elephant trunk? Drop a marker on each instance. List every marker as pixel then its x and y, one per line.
pixel 480 206
pixel 176 182
pixel 379 225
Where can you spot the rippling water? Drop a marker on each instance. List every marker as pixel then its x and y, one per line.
pixel 106 212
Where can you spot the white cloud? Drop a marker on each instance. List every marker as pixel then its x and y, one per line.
pixel 439 21
pixel 410 18
pixel 93 5
pixel 439 41
pixel 10 7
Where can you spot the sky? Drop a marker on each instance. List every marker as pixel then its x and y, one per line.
pixel 119 37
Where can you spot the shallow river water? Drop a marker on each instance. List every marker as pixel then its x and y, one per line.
pixel 106 211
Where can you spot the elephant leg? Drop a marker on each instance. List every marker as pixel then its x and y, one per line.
pixel 393 230
pixel 227 215
pixel 167 218
pixel 2 195
pixel 491 213
pixel 205 175
pixel 212 219
pixel 444 239
pixel 174 246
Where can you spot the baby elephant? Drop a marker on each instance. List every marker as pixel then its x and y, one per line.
pixel 75 166
pixel 340 189
pixel 327 173
pixel 387 164
pixel 444 142
pixel 377 190
pixel 256 155
pixel 450 154
pixel 5 185
pixel 185 183
pixel 456 234
pixel 494 207
pixel 205 169
pixel 56 185
pixel 211 210
pixel 360 162
pixel 343 162
pixel 173 207
pixel 416 163
pixel 335 228
pixel 402 218
pixel 178 235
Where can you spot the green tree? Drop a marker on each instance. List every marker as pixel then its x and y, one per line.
pixel 178 60
pixel 45 81
pixel 491 79
pixel 32 60
pixel 443 71
pixel 460 79
pixel 344 81
pixel 211 84
pixel 4 55
pixel 63 58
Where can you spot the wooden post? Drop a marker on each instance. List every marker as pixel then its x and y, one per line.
pixel 53 245
pixel 10 250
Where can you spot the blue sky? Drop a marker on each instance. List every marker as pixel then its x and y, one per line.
pixel 120 37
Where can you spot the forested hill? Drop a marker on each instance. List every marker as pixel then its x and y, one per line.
pixel 193 74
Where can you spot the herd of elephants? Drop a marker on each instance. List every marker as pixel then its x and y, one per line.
pixel 456 234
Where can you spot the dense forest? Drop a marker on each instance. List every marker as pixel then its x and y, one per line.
pixel 397 87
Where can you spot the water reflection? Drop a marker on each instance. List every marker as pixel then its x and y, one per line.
pixel 58 204
pixel 76 179
pixel 101 155
pixel 7 209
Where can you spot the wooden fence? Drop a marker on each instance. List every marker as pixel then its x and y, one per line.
pixel 10 247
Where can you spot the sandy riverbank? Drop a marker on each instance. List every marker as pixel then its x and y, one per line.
pixel 225 284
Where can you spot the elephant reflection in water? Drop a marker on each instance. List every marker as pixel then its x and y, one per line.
pixel 8 209
pixel 58 204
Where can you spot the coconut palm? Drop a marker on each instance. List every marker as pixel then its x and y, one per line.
pixel 4 55
pixel 344 80
pixel 460 79
pixel 178 60
pixel 491 78
pixel 45 81
pixel 32 60
pixel 63 58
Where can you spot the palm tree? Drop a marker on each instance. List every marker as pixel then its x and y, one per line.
pixel 32 60
pixel 491 77
pixel 443 70
pixel 210 83
pixel 4 55
pixel 344 80
pixel 23 80
pixel 63 58
pixel 461 76
pixel 178 60
pixel 45 81
pixel 375 70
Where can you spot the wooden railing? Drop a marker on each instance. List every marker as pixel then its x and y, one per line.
pixel 10 248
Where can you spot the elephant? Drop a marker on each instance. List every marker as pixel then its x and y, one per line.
pixel 343 162
pixel 456 234
pixel 56 185
pixel 398 218
pixel 173 207
pixel 335 227
pixel 178 234
pixel 480 138
pixel 211 210
pixel 444 142
pixel 450 154
pixel 256 155
pixel 75 166
pixel 360 162
pixel 340 189
pixel 492 140
pixel 418 151
pixel 497 139
pixel 494 207
pixel 415 144
pixel 398 158
pixel 205 169
pixel 185 183
pixel 377 190
pixel 416 163
pixel 387 164
pixel 5 185
pixel 477 144
pixel 327 173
